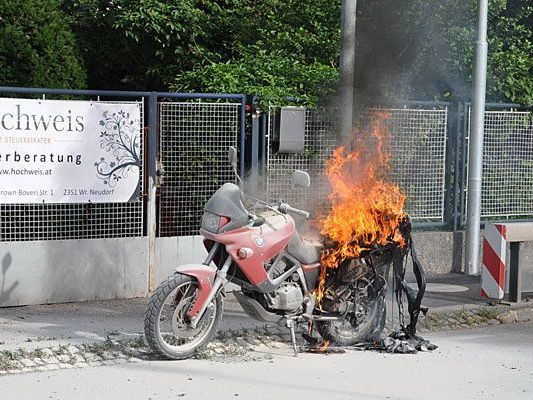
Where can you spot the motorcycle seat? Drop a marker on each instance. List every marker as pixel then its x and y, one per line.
pixel 304 251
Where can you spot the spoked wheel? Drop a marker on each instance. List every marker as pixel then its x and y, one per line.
pixel 167 327
pixel 365 323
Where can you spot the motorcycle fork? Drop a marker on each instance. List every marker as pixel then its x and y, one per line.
pixel 219 281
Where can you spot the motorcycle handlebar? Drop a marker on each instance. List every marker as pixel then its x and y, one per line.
pixel 285 208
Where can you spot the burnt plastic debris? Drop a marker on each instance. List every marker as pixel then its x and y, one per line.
pixel 399 265
pixel 399 342
pixel 322 350
pixel 404 340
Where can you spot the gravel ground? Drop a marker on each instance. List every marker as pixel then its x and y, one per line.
pixel 492 362
pixel 231 344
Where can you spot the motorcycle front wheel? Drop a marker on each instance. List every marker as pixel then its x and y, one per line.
pixel 167 328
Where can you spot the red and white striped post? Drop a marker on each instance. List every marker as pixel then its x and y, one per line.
pixel 493 272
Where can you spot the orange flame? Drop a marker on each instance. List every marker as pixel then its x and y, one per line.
pixel 366 210
pixel 324 346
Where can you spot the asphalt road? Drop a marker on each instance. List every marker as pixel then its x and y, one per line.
pixel 487 363
pixel 31 327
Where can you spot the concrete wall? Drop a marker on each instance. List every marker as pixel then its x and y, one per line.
pixel 40 272
pixel 78 270
pixel 439 252
pixel 45 272
pixel 174 251
pixel 443 252
pixel 526 266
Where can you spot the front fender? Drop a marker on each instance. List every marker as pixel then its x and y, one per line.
pixel 205 276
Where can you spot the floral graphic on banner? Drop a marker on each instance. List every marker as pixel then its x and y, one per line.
pixel 62 151
pixel 120 137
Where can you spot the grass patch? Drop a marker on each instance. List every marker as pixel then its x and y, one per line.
pixel 40 339
pixel 488 312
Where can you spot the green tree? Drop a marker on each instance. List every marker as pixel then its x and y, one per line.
pixel 139 44
pixel 272 48
pixel 271 75
pixel 268 48
pixel 37 46
pixel 425 49
pixel 511 51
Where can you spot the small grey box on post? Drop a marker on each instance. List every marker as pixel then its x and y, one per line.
pixel 291 129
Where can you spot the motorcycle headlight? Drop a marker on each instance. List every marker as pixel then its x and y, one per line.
pixel 212 222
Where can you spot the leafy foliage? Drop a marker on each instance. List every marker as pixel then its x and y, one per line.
pixel 426 49
pixel 272 76
pixel 511 51
pixel 37 46
pixel 139 44
pixel 272 48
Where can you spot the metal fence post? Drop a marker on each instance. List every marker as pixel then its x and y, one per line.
pixel 515 275
pixel 264 151
pixel 475 158
pixel 347 66
pixel 463 163
pixel 255 172
pixel 456 169
pixel 449 176
pixel 152 147
pixel 243 136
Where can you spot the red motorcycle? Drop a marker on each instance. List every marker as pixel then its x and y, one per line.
pixel 259 249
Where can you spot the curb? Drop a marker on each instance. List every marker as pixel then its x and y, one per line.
pixel 472 316
pixel 245 345
pixel 65 357
pixel 241 345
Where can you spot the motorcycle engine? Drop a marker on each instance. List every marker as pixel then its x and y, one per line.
pixel 347 287
pixel 288 297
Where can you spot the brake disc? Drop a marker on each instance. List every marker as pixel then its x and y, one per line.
pixel 181 326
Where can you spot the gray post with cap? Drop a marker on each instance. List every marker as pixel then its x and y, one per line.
pixel 153 149
pixel 475 159
pixel 347 66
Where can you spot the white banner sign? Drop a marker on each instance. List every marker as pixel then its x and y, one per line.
pixel 69 151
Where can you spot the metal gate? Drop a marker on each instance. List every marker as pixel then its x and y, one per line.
pixel 507 175
pixel 73 252
pixel 29 222
pixel 418 150
pixel 194 141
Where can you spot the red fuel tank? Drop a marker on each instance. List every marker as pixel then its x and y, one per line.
pixel 265 242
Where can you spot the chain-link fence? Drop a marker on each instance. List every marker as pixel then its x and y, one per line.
pixel 195 137
pixel 507 177
pixel 320 142
pixel 418 158
pixel 25 222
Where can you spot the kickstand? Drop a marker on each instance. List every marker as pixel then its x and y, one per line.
pixel 290 325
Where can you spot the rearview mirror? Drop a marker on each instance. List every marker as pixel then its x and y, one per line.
pixel 301 178
pixel 232 156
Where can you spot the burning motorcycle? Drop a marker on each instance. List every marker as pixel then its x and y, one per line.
pixel 280 275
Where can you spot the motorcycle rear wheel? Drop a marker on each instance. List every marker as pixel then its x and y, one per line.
pixel 167 328
pixel 346 333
